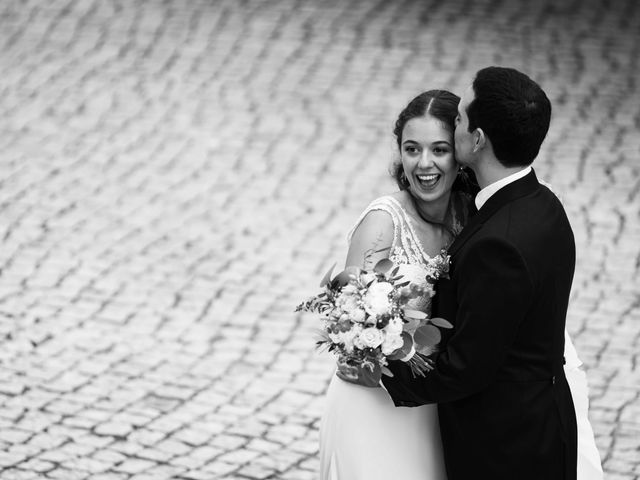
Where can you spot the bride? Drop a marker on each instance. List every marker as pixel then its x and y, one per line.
pixel 363 436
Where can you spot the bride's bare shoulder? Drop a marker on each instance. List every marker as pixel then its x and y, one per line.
pixel 375 222
pixel 371 239
pixel 402 197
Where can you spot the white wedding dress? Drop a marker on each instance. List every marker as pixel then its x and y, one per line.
pixel 589 465
pixel 363 436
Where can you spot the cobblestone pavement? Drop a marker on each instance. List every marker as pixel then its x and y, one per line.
pixel 175 176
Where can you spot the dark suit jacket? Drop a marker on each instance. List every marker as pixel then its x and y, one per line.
pixel 504 404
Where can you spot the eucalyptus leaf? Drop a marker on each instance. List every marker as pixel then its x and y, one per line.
pixel 441 322
pixel 383 266
pixel 427 335
pixel 386 371
pixel 426 349
pixel 341 279
pixel 327 276
pixel 417 314
pixel 411 325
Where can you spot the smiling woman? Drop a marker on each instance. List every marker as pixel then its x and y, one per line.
pixel 409 227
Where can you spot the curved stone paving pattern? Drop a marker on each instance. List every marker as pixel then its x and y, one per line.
pixel 176 176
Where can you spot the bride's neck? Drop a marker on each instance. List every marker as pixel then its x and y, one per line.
pixel 432 212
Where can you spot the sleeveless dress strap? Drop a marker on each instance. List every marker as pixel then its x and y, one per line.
pixel 406 246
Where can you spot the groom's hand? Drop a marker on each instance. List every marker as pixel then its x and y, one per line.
pixel 357 375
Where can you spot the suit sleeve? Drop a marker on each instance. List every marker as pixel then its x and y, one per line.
pixel 494 291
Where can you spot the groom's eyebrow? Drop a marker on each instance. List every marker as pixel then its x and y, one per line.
pixel 442 141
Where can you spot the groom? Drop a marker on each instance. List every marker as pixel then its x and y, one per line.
pixel 504 404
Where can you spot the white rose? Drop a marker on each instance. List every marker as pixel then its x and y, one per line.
pixel 371 337
pixel 351 339
pixel 394 327
pixel 376 299
pixel 347 304
pixel 357 316
pixel 349 289
pixel 347 341
pixel 391 343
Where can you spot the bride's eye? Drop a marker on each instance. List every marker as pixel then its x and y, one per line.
pixel 411 150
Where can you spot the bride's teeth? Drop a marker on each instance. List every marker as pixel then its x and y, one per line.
pixel 428 181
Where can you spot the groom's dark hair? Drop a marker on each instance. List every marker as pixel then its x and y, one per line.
pixel 513 112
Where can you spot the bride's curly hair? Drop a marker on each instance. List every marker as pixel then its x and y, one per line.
pixel 442 105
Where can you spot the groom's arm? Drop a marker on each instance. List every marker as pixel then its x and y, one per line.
pixel 494 292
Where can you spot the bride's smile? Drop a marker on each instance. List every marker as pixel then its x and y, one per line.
pixel 427 155
pixel 428 180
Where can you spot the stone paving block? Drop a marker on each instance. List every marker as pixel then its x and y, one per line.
pixel 219 469
pixel 133 466
pixel 8 459
pixel 109 456
pixel 18 474
pixel 15 436
pixel 196 475
pixel 60 472
pixel 113 429
pixel 109 476
pixel 86 464
pixel 258 472
pixel 299 474
pixel 192 436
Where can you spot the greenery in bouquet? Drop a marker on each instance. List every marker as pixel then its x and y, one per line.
pixel 367 319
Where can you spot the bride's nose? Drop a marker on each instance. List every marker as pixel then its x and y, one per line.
pixel 426 159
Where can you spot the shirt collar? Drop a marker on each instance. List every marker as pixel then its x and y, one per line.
pixel 487 192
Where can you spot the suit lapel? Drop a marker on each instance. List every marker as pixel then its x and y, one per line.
pixel 521 187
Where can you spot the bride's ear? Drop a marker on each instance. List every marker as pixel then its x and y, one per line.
pixel 479 140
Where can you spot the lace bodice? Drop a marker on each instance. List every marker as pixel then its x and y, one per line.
pixel 407 251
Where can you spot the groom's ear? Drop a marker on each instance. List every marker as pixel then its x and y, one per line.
pixel 479 140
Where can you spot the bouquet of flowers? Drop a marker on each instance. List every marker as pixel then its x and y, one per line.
pixel 367 319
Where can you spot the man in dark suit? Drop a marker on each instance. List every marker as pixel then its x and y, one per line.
pixel 504 404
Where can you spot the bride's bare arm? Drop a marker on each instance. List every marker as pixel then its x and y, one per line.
pixel 371 241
